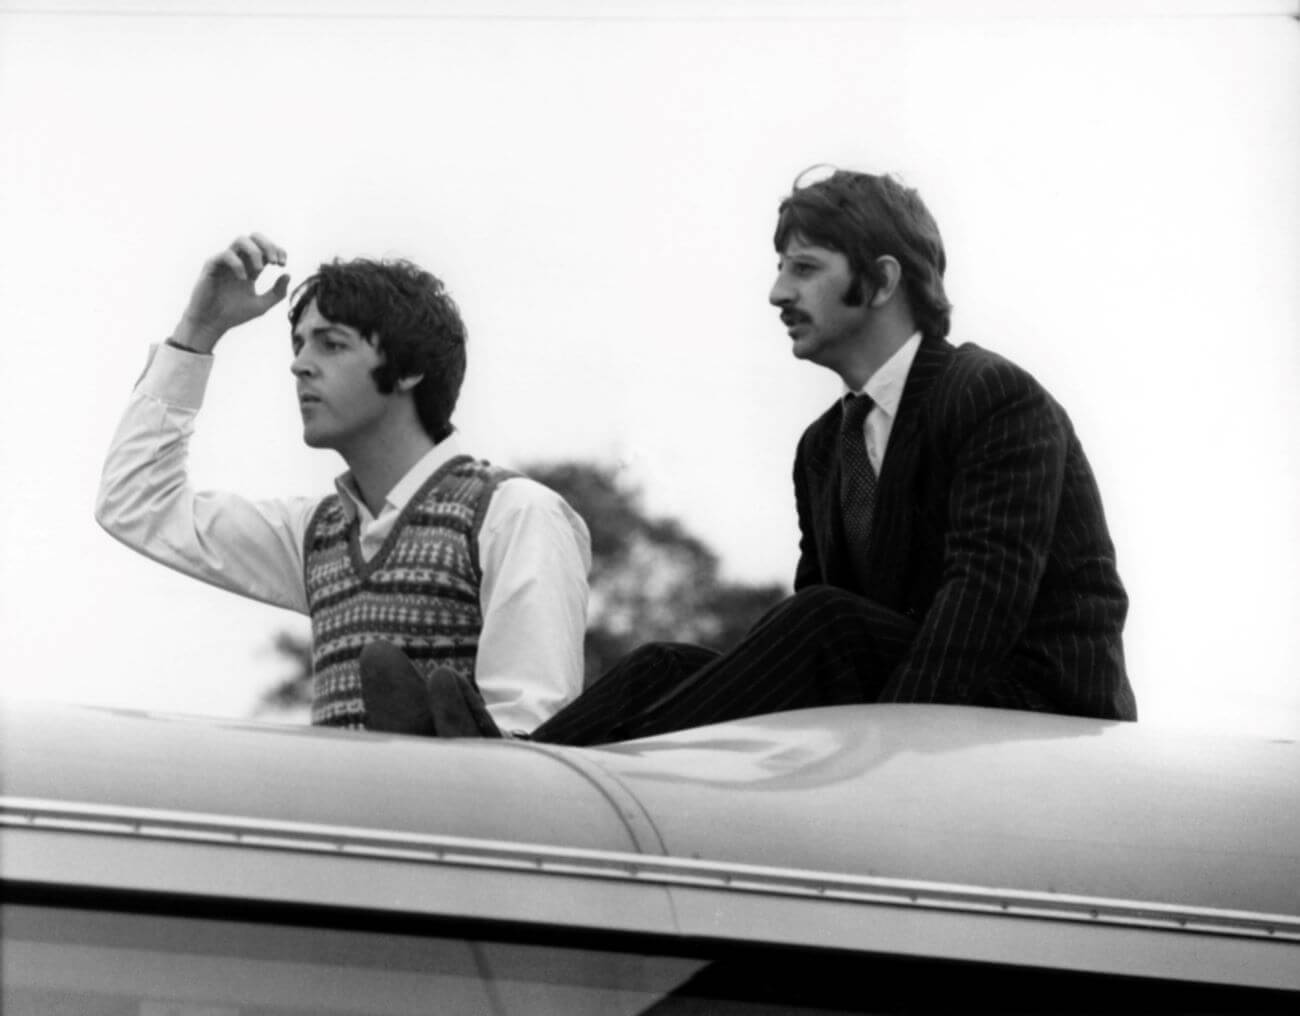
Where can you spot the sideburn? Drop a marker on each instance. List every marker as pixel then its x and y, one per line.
pixel 856 294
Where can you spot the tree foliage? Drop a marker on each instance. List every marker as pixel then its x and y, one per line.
pixel 651 580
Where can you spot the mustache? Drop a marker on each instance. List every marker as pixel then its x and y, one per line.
pixel 790 316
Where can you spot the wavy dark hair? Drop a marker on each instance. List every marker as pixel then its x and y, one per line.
pixel 409 315
pixel 865 217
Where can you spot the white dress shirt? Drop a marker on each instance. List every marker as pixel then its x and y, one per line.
pixel 534 549
pixel 885 388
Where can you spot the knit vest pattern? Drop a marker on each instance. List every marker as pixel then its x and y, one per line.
pixel 420 591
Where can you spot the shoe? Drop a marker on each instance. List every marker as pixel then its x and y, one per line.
pixel 457 707
pixel 394 692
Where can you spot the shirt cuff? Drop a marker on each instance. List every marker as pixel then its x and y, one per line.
pixel 176 377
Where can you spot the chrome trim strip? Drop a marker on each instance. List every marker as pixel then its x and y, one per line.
pixel 152 824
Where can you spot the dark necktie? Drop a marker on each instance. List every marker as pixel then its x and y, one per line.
pixel 857 479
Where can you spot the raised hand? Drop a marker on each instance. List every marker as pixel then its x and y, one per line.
pixel 225 295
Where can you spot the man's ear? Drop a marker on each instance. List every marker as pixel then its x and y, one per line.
pixel 406 384
pixel 890 273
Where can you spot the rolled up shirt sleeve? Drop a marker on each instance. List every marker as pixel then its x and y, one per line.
pixel 535 553
pixel 145 499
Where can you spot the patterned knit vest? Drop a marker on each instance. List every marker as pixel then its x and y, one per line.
pixel 419 592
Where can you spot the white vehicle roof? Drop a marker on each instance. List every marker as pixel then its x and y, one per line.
pixel 967 833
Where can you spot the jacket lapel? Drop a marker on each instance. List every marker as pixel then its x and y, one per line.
pixel 824 488
pixel 895 496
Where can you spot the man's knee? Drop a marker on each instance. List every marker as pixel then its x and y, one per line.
pixel 848 612
pixel 661 653
pixel 824 601
pixel 662 661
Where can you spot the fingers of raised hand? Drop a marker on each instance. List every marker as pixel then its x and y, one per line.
pixel 277 292
pixel 248 255
pixel 272 252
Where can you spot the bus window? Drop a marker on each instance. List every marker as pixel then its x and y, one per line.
pixel 99 962
pixel 102 963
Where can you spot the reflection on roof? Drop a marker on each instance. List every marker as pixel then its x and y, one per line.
pixel 935 794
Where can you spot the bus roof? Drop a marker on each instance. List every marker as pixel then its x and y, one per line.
pixel 951 808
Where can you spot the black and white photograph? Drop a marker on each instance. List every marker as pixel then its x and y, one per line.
pixel 649 506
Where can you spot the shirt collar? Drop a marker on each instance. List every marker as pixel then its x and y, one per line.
pixel 885 386
pixel 405 488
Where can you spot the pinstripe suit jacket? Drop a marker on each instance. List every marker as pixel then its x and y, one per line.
pixel 988 535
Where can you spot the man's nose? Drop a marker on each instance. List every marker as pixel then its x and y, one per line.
pixel 780 294
pixel 300 366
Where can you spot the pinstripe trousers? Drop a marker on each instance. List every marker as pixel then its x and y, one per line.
pixel 823 646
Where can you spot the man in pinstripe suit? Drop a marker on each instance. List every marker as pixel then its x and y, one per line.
pixel 953 544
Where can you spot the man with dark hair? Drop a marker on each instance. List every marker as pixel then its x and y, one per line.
pixel 426 567
pixel 953 547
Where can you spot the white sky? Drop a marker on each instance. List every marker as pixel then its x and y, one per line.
pixel 597 183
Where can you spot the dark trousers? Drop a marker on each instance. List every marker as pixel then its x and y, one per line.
pixel 823 646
